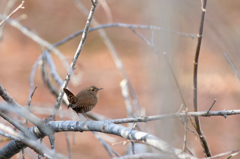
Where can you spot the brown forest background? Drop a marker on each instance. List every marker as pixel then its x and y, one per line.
pixel 54 20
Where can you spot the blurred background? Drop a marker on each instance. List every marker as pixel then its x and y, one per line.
pixel 149 73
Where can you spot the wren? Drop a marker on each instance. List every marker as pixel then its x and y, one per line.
pixel 84 101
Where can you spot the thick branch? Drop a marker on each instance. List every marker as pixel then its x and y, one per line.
pixel 101 126
pixel 33 144
pixel 119 130
pixel 108 126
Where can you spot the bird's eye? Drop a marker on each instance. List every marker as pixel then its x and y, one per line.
pixel 92 89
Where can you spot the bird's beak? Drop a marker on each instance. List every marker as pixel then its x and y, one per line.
pixel 100 88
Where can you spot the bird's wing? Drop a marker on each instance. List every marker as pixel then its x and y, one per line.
pixel 84 101
pixel 71 97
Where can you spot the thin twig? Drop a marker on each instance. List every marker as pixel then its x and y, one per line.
pixel 14 11
pixel 66 135
pixel 109 150
pixel 189 151
pixel 39 40
pixel 74 61
pixel 29 102
pixel 176 82
pixel 211 106
pixel 145 155
pixel 173 74
pixel 195 91
pixel 141 36
pixel 50 85
pixel 187 126
pixel 5 13
pixel 185 131
pixel 30 99
pixel 171 70
pixel 223 113
pixel 45 76
pixel 178 86
pixel 127 100
pixel 118 62
pixel 48 111
pixel 54 73
pixel 107 10
pixel 152 41
pixel 34 67
pixel 123 25
pixel 105 145
pixel 232 65
pixel 223 154
pixel 8 136
pixel 181 108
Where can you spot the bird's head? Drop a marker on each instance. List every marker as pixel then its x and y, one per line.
pixel 93 89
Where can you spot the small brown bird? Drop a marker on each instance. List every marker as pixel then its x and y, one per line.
pixel 84 101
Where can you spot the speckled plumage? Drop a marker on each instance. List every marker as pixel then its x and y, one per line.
pixel 85 100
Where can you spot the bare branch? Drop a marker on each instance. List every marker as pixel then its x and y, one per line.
pixel 195 91
pixel 66 135
pixel 233 153
pixel 14 11
pixel 109 150
pixel 23 112
pixel 34 67
pixel 126 97
pixel 74 61
pixel 30 143
pixel 211 105
pixel 123 25
pixel 110 128
pixel 54 73
pixel 141 36
pixel 39 40
pixel 185 131
pixel 9 136
pixel 7 9
pixel 118 62
pixel 223 113
pixel 232 65
pixel 100 126
pixel 17 125
pixel 107 10
pixel 145 155
pixel 29 102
